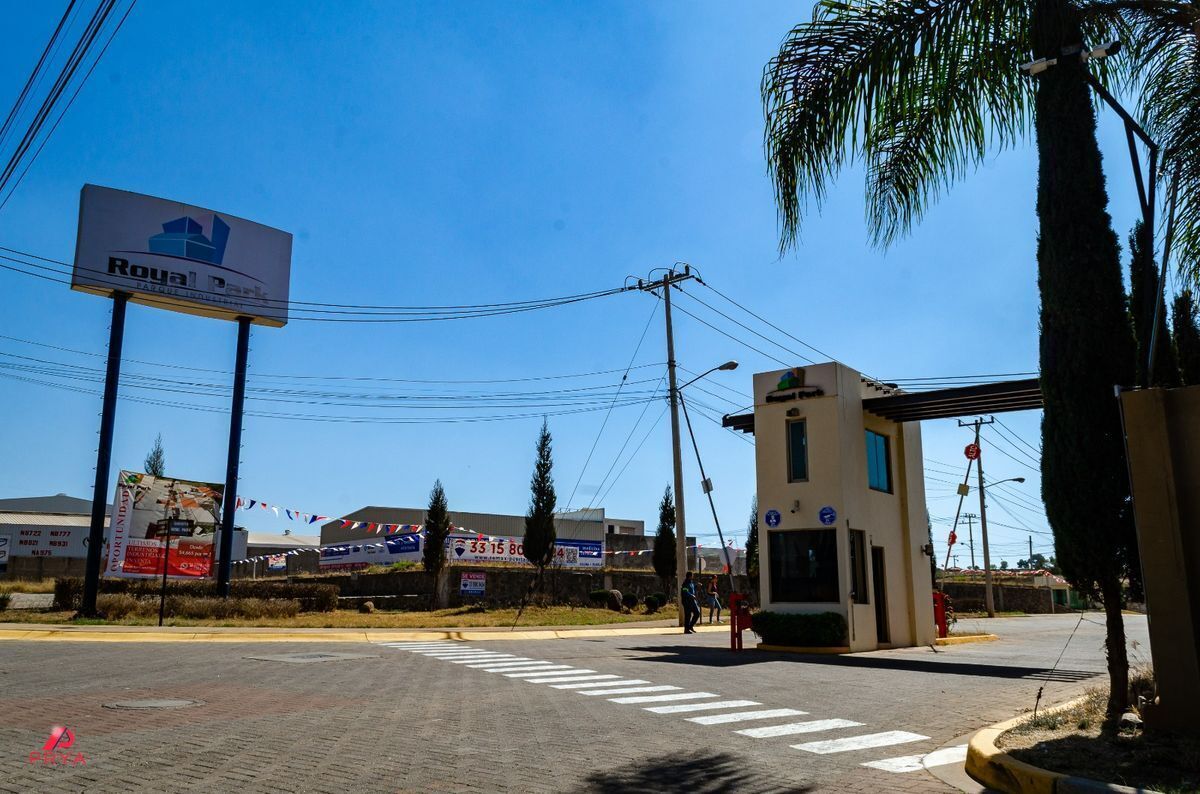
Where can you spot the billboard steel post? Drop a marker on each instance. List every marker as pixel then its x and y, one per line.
pixel 229 506
pixel 108 415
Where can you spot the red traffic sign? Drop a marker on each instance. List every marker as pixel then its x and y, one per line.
pixel 953 538
pixel 972 451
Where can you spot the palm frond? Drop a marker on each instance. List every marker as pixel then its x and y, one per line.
pixel 867 78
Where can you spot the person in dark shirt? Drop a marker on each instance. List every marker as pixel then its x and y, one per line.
pixel 714 600
pixel 691 605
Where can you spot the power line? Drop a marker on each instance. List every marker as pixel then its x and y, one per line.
pixel 1035 450
pixel 637 348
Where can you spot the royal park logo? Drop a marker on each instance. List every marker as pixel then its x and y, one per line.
pixel 57 749
pixel 184 237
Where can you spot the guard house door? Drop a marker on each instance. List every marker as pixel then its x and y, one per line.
pixel 879 590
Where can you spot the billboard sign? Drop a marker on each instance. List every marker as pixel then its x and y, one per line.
pixel 149 511
pixel 179 257
pixel 49 540
pixel 568 553
pixel 404 547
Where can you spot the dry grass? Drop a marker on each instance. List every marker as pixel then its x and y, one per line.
pixel 20 586
pixel 465 617
pixel 1072 741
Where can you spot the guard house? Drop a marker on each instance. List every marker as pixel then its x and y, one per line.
pixel 841 497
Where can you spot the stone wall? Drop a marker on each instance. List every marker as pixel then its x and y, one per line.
pixel 969 597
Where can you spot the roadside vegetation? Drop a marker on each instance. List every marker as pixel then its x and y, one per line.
pixel 1073 742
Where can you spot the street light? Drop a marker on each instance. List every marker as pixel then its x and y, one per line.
pixel 987 558
pixel 1146 192
pixel 677 460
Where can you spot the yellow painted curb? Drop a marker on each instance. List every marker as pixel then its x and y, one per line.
pixel 990 766
pixel 172 634
pixel 834 649
pixel 965 638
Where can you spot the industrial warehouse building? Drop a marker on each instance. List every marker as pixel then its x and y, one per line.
pixel 590 524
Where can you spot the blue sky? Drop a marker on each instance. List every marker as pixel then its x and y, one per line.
pixel 438 153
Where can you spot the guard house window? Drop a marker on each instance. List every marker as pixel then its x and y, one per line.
pixel 804 566
pixel 797 451
pixel 879 463
pixel 859 591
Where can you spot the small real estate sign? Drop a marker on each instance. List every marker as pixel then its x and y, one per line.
pixel 48 540
pixel 473 583
pixel 147 511
pixel 5 551
pixel 276 562
pixel 567 552
pixel 403 547
pixel 179 257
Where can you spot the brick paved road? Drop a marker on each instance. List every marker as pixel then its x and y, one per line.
pixel 497 716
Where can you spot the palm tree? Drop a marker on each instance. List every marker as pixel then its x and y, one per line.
pixel 921 91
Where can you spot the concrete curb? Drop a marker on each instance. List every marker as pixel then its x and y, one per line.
pixel 175 634
pixel 966 638
pixel 989 765
pixel 831 649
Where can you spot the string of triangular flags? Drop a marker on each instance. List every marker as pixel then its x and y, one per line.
pixel 312 518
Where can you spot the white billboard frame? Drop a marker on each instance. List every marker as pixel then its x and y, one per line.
pixel 180 257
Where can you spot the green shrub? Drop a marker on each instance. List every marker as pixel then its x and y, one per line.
pixel 662 599
pixel 823 629
pixel 614 601
pixel 4 599
pixel 598 597
pixel 68 592
pixel 652 604
pixel 629 601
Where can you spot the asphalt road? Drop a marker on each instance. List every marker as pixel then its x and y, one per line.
pixel 660 713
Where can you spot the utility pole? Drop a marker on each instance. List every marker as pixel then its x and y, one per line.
pixel 987 559
pixel 970 517
pixel 1031 551
pixel 664 284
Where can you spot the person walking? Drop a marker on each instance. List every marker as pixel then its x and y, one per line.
pixel 691 605
pixel 714 600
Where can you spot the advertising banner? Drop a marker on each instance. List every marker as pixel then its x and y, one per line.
pixel 179 257
pixel 396 548
pixel 276 562
pixel 568 553
pixel 5 551
pixel 146 509
pixel 473 583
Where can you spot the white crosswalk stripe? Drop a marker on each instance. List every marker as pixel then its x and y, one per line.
pixel 515 668
pixel 560 668
pixel 567 678
pixel 686 707
pixel 632 690
pixel 797 727
pixel 453 654
pixel 500 657
pixel 662 698
pixel 412 645
pixel 593 684
pixel 865 742
pixel 915 763
pixel 741 716
pixel 500 665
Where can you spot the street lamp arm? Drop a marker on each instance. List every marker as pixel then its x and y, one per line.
pixel 728 365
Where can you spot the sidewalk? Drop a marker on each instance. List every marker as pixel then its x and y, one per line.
pixel 67 633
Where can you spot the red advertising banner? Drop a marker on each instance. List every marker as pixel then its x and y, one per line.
pixel 147 511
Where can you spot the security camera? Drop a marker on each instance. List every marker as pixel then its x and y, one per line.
pixel 1038 66
pixel 1105 50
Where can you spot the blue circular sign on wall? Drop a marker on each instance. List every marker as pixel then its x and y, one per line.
pixel 773 518
pixel 827 515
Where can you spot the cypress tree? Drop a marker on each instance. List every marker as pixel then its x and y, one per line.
pixel 1187 338
pixel 539 520
pixel 1144 291
pixel 752 546
pixel 1087 343
pixel 437 527
pixel 664 540
pixel 156 458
